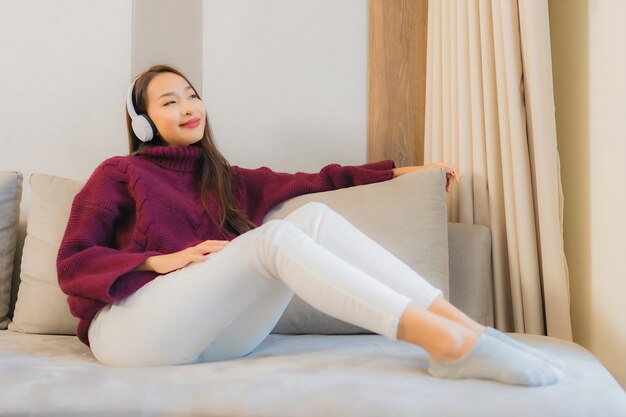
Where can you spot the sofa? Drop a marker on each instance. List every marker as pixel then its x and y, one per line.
pixel 311 364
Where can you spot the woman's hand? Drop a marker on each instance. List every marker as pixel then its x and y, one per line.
pixel 162 264
pixel 452 174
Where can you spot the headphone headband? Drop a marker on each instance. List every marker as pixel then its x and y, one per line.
pixel 129 100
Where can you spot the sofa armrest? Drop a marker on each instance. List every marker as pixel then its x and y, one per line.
pixel 471 282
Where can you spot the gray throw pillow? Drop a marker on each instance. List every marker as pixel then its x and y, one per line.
pixel 406 215
pixel 10 196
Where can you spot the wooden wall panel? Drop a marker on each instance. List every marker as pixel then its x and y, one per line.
pixel 397 80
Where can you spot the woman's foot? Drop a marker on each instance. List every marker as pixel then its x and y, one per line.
pixel 485 357
pixel 457 351
pixel 545 356
pixel 443 308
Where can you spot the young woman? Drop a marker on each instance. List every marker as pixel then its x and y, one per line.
pixel 166 261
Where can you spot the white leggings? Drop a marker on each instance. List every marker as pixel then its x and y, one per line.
pixel 226 306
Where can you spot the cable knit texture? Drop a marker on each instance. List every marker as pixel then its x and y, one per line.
pixel 134 207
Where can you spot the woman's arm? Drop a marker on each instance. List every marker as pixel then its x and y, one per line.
pixel 90 264
pixel 259 190
pixel 162 264
pixel 452 174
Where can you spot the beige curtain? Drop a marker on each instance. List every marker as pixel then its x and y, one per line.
pixel 490 112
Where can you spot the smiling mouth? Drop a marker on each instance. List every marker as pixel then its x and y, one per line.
pixel 193 123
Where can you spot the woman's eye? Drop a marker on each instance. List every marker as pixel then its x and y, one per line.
pixel 194 96
pixel 168 103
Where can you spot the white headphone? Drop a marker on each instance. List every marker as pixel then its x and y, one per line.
pixel 142 125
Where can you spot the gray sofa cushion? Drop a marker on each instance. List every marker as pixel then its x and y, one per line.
pixel 296 376
pixel 471 284
pixel 10 196
pixel 406 215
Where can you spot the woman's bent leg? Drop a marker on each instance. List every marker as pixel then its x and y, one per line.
pixel 431 322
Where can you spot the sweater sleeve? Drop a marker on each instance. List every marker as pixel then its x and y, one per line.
pixel 262 189
pixel 89 264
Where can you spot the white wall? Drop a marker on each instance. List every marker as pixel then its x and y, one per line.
pixel 285 81
pixel 607 157
pixel 64 70
pixel 589 63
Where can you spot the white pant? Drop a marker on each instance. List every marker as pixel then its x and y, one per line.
pixel 226 306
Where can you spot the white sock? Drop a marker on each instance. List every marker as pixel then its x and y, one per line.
pixel 551 359
pixel 492 359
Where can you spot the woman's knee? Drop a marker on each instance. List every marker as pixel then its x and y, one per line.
pixel 313 208
pixel 310 216
pixel 307 220
pixel 273 230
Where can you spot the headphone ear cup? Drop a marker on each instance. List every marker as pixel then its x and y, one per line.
pixel 143 128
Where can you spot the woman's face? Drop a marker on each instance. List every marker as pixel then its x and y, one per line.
pixel 175 109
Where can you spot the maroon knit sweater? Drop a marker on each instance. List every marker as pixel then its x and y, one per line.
pixel 134 207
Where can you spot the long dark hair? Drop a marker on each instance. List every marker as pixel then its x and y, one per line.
pixel 214 176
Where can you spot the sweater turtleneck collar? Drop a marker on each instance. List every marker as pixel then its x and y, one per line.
pixel 175 158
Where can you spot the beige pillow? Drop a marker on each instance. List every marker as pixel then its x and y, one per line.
pixel 41 306
pixel 406 215
pixel 10 196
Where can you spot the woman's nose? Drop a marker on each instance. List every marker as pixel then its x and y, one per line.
pixel 186 107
